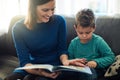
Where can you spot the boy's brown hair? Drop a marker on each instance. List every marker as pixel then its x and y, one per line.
pixel 85 18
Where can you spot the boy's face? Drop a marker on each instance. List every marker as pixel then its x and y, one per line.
pixel 85 34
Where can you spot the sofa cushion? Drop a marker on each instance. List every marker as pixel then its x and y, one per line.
pixel 114 69
pixel 7 65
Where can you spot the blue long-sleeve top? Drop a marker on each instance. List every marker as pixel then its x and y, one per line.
pixel 44 44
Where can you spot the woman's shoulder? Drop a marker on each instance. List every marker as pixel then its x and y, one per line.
pixel 21 21
pixel 58 17
pixel 18 24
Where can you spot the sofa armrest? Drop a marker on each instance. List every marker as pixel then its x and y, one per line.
pixel 3 45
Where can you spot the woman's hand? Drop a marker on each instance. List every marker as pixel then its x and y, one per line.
pixel 41 72
pixel 78 62
pixel 91 64
pixel 31 71
pixel 75 62
pixel 66 62
pixel 48 74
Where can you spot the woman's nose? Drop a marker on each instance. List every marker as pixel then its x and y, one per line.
pixel 50 13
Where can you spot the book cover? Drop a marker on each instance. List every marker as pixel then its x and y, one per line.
pixel 52 68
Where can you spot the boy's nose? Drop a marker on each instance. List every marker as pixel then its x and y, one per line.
pixel 84 35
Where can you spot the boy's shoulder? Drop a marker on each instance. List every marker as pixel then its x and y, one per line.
pixel 95 36
pixel 75 39
pixel 98 37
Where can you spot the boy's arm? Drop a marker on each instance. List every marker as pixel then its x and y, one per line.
pixel 107 56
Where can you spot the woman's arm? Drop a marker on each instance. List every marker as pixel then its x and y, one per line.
pixel 21 49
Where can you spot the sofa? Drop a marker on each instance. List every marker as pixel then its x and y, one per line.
pixel 106 26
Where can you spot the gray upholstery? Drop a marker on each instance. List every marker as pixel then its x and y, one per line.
pixel 109 28
pixel 106 26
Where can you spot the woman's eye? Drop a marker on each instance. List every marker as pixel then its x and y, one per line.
pixel 52 9
pixel 45 10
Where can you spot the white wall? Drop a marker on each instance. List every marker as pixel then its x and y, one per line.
pixel 117 7
pixel 10 8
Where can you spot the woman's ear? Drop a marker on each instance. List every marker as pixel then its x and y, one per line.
pixel 74 26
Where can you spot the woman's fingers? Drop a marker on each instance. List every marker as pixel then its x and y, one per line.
pixel 83 61
pixel 48 74
pixel 54 75
pixel 79 64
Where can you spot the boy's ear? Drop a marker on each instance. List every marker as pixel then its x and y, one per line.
pixel 94 28
pixel 75 27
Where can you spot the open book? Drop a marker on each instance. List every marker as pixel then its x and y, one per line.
pixel 52 68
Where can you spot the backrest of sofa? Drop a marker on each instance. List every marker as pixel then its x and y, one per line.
pixel 109 28
pixel 70 29
pixel 70 32
pixel 10 44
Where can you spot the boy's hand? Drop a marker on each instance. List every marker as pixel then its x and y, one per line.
pixel 91 64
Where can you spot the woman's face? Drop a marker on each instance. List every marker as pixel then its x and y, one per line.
pixel 45 11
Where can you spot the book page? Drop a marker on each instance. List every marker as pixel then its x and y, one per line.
pixel 37 66
pixel 85 69
pixel 51 68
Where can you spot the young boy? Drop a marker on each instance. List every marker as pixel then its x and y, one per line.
pixel 89 46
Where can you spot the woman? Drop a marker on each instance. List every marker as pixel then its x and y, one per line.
pixel 40 38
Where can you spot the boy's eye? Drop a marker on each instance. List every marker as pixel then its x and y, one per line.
pixel 87 32
pixel 84 33
pixel 80 32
